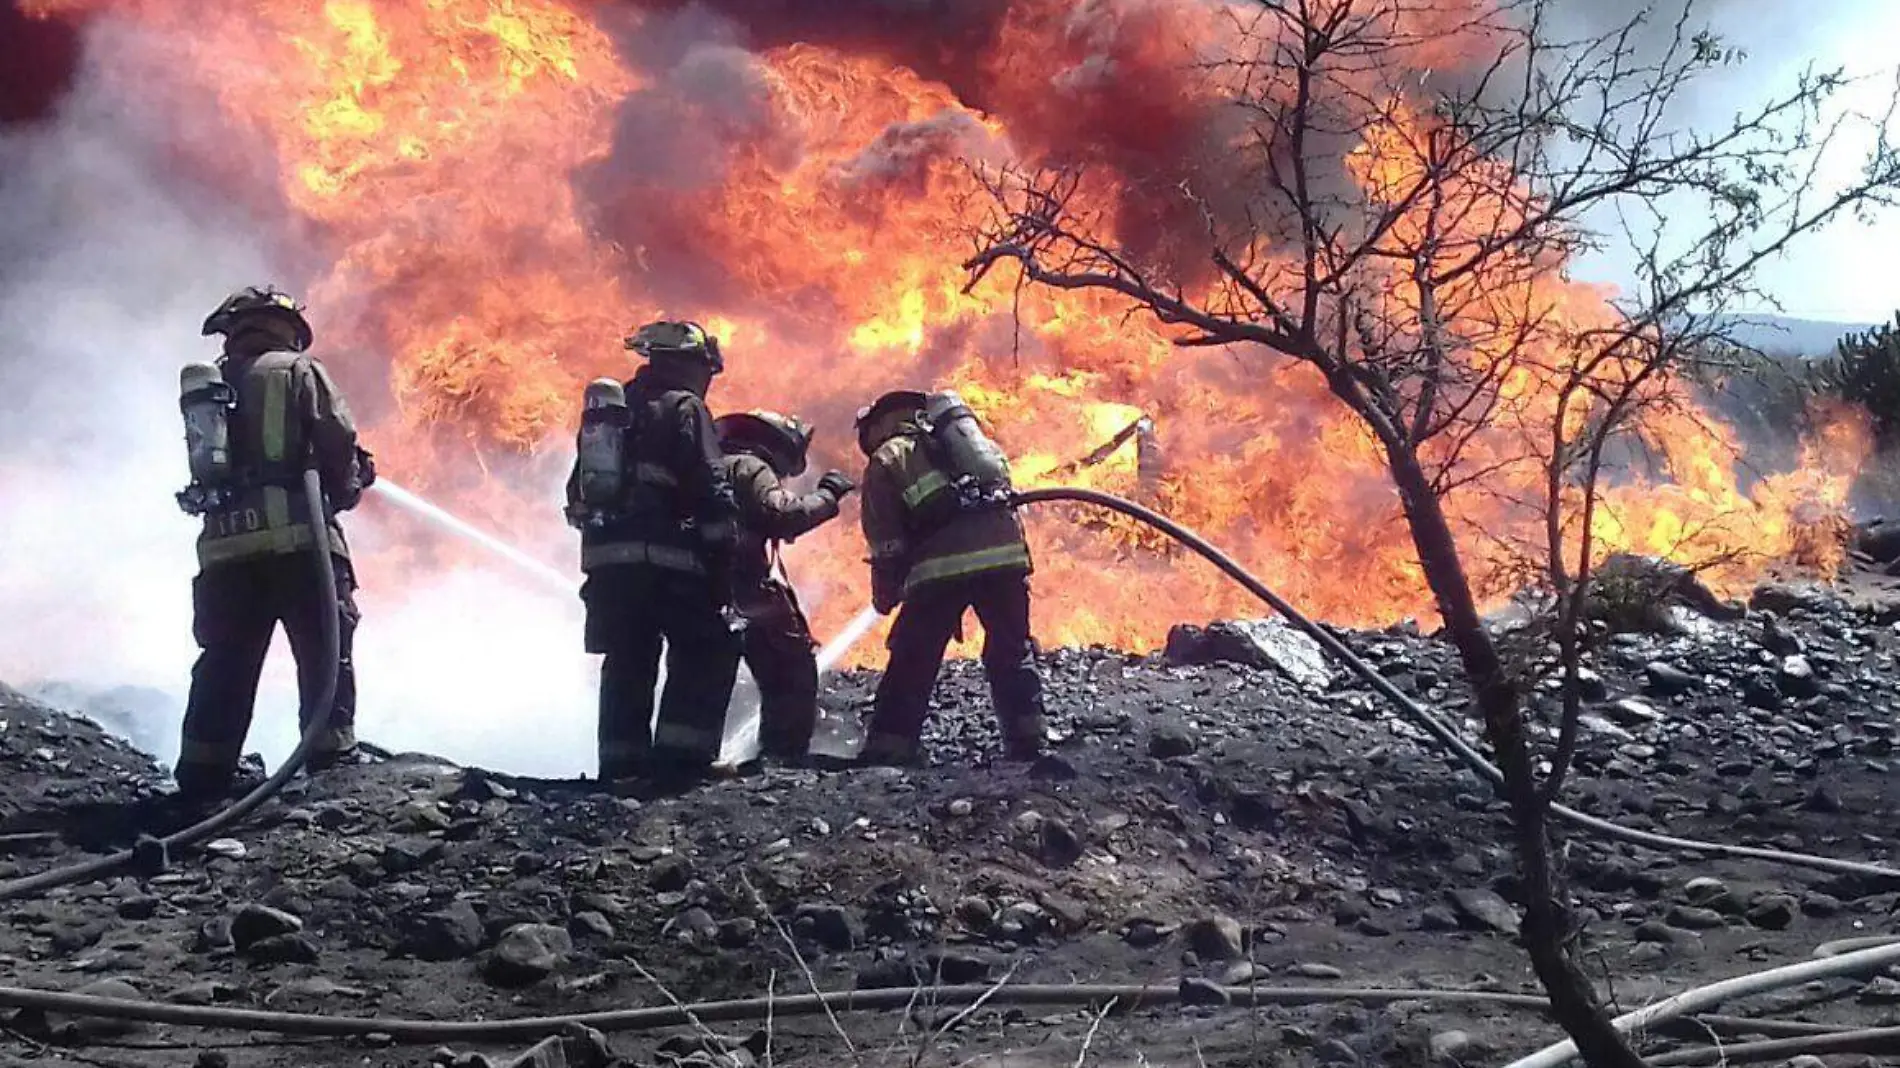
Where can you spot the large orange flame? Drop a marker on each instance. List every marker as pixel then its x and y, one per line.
pixel 451 167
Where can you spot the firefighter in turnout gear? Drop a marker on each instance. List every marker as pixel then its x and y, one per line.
pixel 255 423
pixel 655 509
pixel 943 540
pixel 762 449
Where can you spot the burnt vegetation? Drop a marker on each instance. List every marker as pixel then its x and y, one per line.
pixel 1406 232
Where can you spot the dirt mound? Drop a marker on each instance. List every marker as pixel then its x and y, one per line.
pixel 1225 822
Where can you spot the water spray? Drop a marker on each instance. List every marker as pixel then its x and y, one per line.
pixel 415 505
pixel 741 741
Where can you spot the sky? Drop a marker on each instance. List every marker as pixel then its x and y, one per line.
pixel 1849 272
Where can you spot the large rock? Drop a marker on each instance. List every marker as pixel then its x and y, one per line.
pixel 528 953
pixel 1273 644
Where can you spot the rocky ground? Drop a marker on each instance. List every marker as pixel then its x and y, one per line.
pixel 1268 822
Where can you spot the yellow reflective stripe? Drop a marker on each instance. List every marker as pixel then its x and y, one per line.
pixel 654 475
pixel 256 543
pixel 276 507
pixel 670 557
pixel 276 414
pixel 678 736
pixel 927 483
pixel 941 567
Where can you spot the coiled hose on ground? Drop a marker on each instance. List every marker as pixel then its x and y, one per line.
pixel 319 721
pixel 1882 953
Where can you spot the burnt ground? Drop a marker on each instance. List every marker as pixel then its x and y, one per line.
pixel 1225 821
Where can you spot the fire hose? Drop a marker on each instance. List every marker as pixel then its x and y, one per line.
pixel 155 851
pixel 1881 954
pixel 1126 997
pixel 1444 732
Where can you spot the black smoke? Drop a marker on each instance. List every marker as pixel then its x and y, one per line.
pixel 38 60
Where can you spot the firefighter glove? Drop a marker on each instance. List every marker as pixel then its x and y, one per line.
pixel 838 484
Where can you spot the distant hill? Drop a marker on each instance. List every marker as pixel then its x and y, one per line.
pixel 1809 337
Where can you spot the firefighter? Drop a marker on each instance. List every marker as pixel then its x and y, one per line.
pixel 938 548
pixel 279 414
pixel 762 449
pixel 651 497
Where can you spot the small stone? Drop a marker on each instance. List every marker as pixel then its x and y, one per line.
pixel 695 925
pixel 592 923
pixel 1795 677
pixel 1170 740
pixel 1820 905
pixel 670 873
pixel 1058 843
pixel 974 912
pixel 1245 973
pixel 1634 712
pixel 1314 970
pixel 737 933
pixel 253 923
pixel 528 953
pixel 1215 937
pixel 422 816
pixel 1450 1046
pixel 283 949
pixel 1486 911
pixel 450 933
pixel 138 907
pixel 1822 799
pixel 1144 933
pixel 1438 918
pixel 1774 912
pixel 1655 932
pixel 1704 890
pixel 212 1058
pixel 961 807
pixel 1667 680
pixel 1195 990
pixel 1806 1060
pixel 1692 918
pixel 405 855
pixel 1336 1051
pixel 834 927
pixel 229 848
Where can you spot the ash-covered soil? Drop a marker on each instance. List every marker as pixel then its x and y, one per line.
pixel 1225 822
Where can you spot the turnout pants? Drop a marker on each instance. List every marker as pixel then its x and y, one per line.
pixel 929 616
pixel 236 607
pixel 782 655
pixel 631 608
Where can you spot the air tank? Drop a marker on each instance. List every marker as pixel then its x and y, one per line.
pixel 967 449
pixel 602 444
pixel 205 400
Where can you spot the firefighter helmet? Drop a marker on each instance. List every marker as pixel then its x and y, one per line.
pixel 872 418
pixel 680 338
pixel 785 439
pixel 265 301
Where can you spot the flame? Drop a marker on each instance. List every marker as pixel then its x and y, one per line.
pixel 456 173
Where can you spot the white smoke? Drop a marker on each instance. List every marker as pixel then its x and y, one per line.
pixel 107 269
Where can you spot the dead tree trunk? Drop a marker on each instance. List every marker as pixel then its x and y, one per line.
pixel 1547 934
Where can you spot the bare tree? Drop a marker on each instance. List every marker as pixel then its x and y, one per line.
pixel 1406 233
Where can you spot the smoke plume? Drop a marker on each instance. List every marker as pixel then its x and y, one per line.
pixel 109 261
